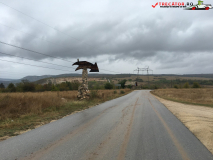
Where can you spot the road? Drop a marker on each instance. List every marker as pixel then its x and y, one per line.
pixel 135 127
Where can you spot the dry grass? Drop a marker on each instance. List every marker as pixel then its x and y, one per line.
pixel 14 105
pixel 22 111
pixel 202 96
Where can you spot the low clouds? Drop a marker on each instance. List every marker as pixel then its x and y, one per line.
pixel 123 31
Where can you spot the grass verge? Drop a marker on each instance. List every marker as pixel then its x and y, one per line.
pixel 25 111
pixel 201 97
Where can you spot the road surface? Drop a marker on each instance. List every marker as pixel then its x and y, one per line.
pixel 134 127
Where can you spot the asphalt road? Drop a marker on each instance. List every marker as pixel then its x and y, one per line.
pixel 135 127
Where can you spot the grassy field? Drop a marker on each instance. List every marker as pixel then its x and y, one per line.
pixel 201 96
pixel 23 111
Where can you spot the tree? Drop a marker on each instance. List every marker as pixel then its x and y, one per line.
pixel 186 85
pixel 122 83
pixel 11 87
pixel 26 86
pixel 39 88
pixel 196 85
pixel 108 86
pixel 2 85
pixel 63 87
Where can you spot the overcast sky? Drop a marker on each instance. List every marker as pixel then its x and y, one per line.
pixel 120 35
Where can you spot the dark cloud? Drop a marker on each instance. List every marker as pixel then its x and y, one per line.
pixel 170 38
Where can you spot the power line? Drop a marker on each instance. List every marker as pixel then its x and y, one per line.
pixel 138 70
pixel 33 51
pixel 39 21
pixel 35 65
pixel 48 26
pixel 29 34
pixel 35 60
pixel 45 54
pixel 144 69
pixel 111 71
pixel 47 41
pixel 147 69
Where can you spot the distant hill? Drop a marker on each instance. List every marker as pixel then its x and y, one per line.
pixel 4 79
pixel 35 78
pixel 42 78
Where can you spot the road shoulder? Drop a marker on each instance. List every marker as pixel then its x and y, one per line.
pixel 198 119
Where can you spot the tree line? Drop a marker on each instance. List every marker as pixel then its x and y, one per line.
pixel 26 86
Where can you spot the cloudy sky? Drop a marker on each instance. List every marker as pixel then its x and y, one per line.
pixel 119 35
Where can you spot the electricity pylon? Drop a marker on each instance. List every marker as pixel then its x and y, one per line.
pixel 147 69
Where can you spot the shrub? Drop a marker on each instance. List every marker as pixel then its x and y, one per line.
pixel 122 92
pixel 196 85
pixel 115 92
pixel 129 86
pixel 155 87
pixel 176 86
pixel 186 85
pixel 108 86
pixel 94 94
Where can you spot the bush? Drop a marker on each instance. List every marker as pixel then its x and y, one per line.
pixel 122 92
pixel 176 86
pixel 186 85
pixel 155 87
pixel 129 86
pixel 115 92
pixel 108 86
pixel 196 85
pixel 94 94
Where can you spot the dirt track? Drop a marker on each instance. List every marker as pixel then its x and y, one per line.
pixel 198 119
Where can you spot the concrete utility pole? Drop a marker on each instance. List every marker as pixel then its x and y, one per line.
pixel 83 91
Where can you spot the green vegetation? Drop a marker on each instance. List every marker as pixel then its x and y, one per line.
pixel 26 86
pixel 186 85
pixel 176 86
pixel 122 82
pixel 122 92
pixel 108 86
pixel 138 80
pixel 196 85
pixel 2 85
pixel 94 85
